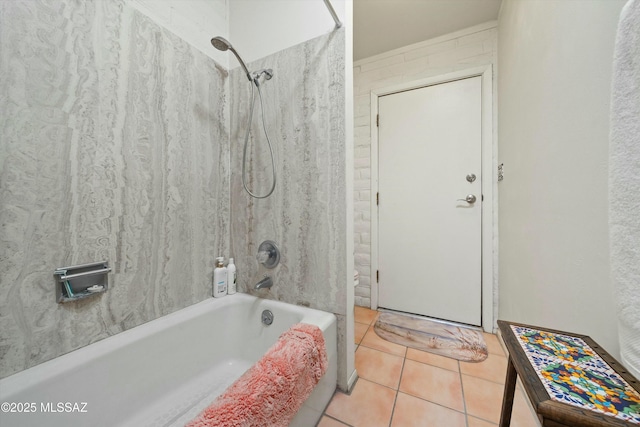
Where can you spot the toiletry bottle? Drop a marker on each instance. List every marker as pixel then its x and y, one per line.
pixel 219 279
pixel 231 277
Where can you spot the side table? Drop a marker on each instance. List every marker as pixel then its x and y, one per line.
pixel 570 380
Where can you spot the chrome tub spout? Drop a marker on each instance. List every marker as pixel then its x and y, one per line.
pixel 264 283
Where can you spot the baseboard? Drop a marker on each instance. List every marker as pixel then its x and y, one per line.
pixel 352 381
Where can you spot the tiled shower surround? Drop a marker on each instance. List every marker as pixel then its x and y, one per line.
pixel 115 145
pixel 114 141
pixel 306 215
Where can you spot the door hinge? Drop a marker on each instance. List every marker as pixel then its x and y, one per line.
pixel 378 199
pixel 378 120
pixel 377 276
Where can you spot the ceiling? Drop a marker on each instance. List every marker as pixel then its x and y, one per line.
pixel 383 25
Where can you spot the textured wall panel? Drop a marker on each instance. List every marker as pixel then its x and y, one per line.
pixel 305 216
pixel 113 145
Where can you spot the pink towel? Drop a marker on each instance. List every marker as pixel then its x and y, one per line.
pixel 271 391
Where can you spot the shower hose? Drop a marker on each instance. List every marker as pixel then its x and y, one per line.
pixel 246 141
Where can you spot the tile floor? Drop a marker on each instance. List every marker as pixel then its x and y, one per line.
pixel 404 387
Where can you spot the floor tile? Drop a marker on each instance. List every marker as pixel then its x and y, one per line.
pixel 372 340
pixel 365 315
pixel 483 398
pixel 379 367
pixel 431 383
pixel 477 422
pixel 431 392
pixel 413 412
pixel 369 405
pixel 493 368
pixel 359 331
pixel 432 359
pixel 493 344
pixel 522 414
pixel 330 422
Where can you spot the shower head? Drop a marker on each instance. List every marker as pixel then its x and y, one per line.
pixel 223 44
pixel 220 43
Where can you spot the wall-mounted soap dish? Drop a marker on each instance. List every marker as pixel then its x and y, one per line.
pixel 81 281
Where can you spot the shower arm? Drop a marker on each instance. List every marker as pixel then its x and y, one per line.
pixel 333 14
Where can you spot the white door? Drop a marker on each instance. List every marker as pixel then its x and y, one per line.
pixel 429 248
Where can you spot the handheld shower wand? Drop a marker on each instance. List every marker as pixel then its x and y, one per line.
pixel 223 44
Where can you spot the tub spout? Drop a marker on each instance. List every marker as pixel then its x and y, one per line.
pixel 264 283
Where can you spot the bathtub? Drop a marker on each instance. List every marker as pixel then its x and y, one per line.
pixel 163 373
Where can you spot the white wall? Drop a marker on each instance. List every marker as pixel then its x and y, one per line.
pixel 256 28
pixel 469 48
pixel 263 27
pixel 194 21
pixel 554 82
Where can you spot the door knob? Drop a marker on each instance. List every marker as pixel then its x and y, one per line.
pixel 471 199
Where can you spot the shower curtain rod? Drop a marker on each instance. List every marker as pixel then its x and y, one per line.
pixel 333 14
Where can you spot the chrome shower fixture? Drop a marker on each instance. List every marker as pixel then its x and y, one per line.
pixel 223 44
pixel 266 72
pixel 268 254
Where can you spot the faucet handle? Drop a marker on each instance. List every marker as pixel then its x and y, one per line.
pixel 262 257
pixel 268 254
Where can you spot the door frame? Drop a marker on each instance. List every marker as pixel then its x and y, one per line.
pixel 489 183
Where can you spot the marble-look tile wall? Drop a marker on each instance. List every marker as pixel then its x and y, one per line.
pixel 306 215
pixel 114 146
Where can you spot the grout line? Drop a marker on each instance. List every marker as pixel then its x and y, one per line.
pixel 385 351
pixel 395 400
pixel 335 419
pixel 432 364
pixel 433 403
pixel 464 399
pixel 483 419
pixel 393 409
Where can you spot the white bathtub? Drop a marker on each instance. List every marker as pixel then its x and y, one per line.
pixel 163 373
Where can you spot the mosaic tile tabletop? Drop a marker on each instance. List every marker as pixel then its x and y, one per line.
pixel 573 373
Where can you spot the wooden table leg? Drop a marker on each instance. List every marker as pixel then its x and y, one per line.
pixel 509 392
